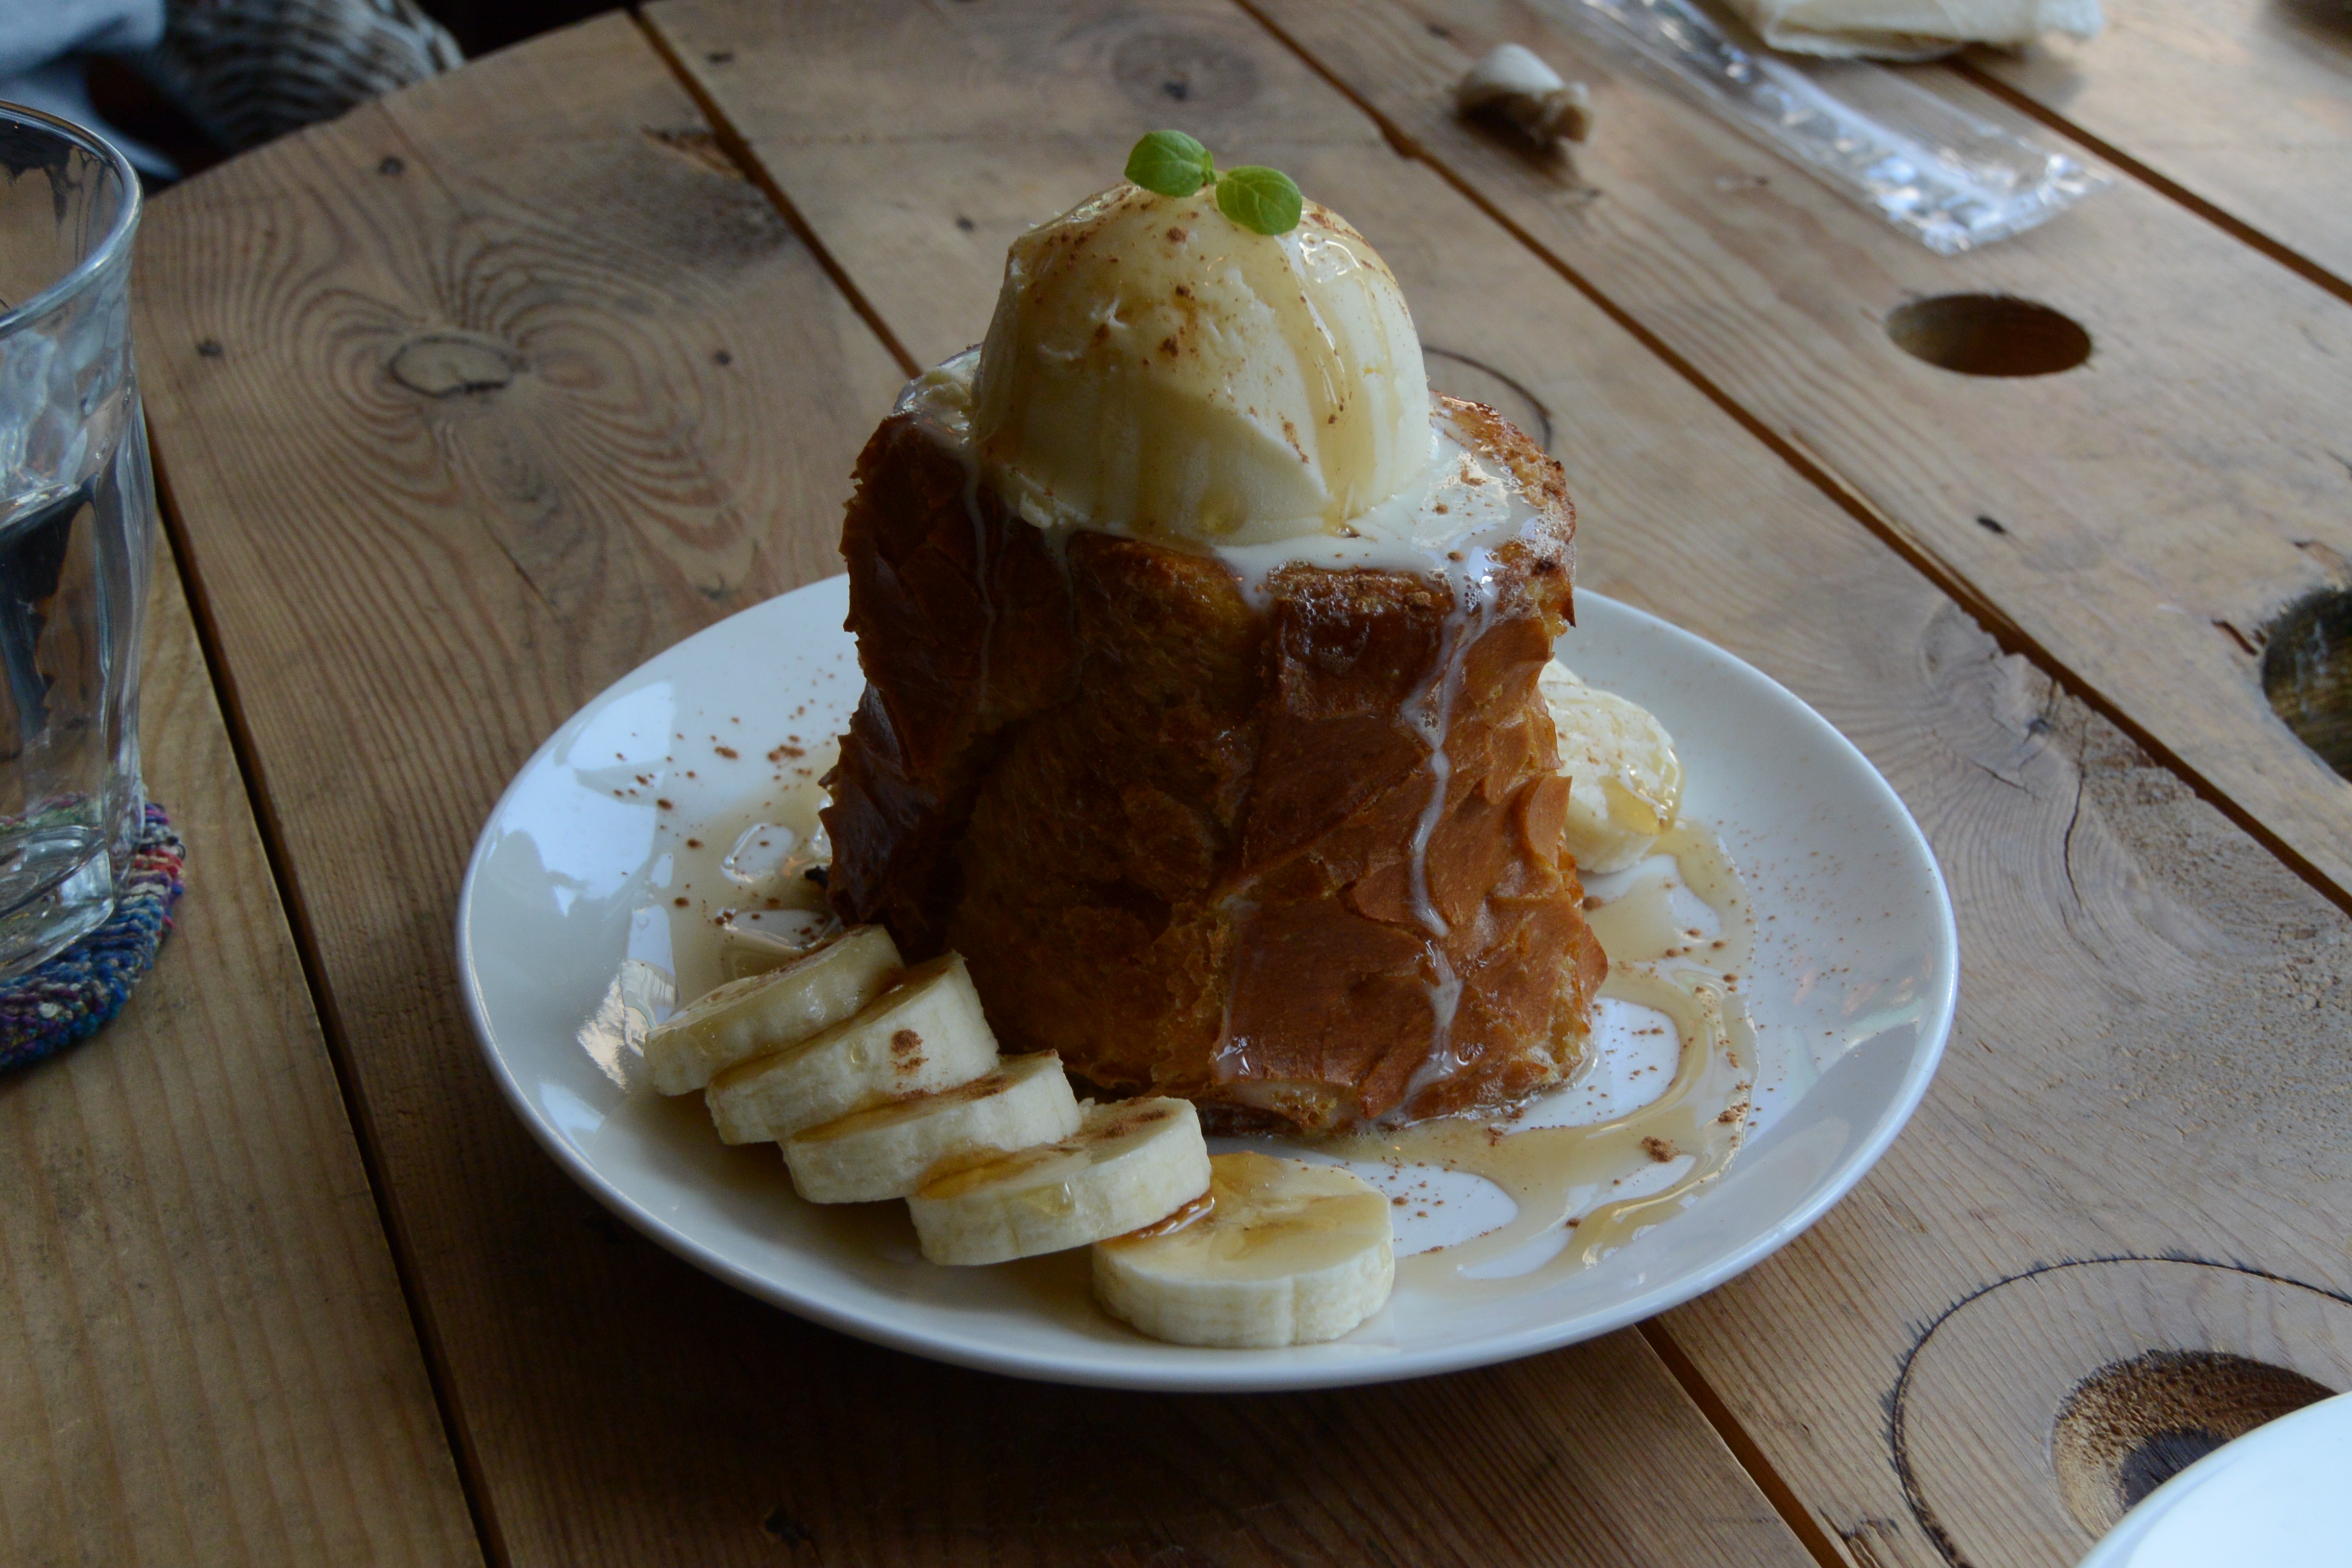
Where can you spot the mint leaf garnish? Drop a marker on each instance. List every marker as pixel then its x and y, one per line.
pixel 1170 163
pixel 1265 201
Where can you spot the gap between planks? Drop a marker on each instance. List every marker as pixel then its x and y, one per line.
pixel 446 1404
pixel 2295 262
pixel 1743 1447
pixel 1988 614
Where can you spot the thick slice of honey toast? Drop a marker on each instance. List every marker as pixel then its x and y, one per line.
pixel 1198 839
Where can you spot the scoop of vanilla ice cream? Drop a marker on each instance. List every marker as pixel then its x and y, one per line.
pixel 1155 369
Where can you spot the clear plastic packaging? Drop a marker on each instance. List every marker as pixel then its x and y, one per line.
pixel 1947 178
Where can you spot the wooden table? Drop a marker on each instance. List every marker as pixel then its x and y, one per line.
pixel 465 404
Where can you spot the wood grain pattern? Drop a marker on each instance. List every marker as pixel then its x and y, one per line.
pixel 2244 104
pixel 208 1359
pixel 411 589
pixel 2148 512
pixel 2152 1006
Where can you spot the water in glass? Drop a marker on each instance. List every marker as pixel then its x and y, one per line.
pixel 77 530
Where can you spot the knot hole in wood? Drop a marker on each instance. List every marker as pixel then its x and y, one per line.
pixel 1988 334
pixel 453 365
pixel 2307 673
pixel 2030 1414
pixel 1159 70
pixel 2133 1426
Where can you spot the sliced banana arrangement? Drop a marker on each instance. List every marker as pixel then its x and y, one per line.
pixel 1625 783
pixel 763 1013
pixel 883 1151
pixel 1283 1252
pixel 1126 1165
pixel 925 1032
pixel 882 1081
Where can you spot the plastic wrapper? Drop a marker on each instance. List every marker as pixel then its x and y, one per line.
pixel 1939 173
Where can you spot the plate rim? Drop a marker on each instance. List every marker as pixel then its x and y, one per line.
pixel 2149 1520
pixel 1227 1376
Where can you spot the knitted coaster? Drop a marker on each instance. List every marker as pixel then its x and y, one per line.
pixel 72 996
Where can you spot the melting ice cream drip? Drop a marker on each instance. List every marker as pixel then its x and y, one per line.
pixel 1430 712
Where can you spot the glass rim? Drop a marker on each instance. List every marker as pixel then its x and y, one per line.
pixel 101 255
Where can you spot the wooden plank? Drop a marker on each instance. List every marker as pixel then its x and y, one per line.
pixel 410 590
pixel 208 1359
pixel 2244 105
pixel 2149 511
pixel 2150 1004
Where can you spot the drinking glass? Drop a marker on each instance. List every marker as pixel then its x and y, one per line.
pixel 76 532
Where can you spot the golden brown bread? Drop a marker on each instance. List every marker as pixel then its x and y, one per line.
pixel 1173 832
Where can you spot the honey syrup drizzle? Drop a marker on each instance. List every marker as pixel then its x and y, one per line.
pixel 1560 1177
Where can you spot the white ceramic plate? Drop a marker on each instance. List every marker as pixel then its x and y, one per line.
pixel 2274 1496
pixel 1851 988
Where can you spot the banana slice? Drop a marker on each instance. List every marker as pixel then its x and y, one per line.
pixel 760 1013
pixel 1126 1165
pixel 1625 783
pixel 1286 1254
pixel 882 1152
pixel 744 953
pixel 926 1032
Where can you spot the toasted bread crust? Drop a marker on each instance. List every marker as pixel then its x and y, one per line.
pixel 1172 833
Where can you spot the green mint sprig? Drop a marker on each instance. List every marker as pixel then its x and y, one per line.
pixel 1262 200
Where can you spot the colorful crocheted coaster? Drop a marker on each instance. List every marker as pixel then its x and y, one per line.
pixel 72 996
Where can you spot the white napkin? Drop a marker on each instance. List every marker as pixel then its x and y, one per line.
pixel 1911 29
